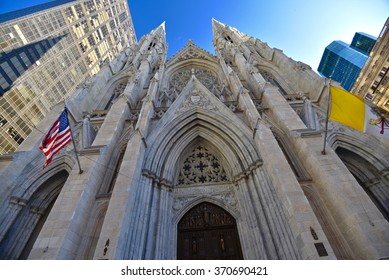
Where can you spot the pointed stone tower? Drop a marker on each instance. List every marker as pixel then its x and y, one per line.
pixel 198 157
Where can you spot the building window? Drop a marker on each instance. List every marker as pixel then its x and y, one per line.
pixel 383 71
pixel 15 135
pixel 3 121
pixel 374 86
pixel 201 166
pixel 228 38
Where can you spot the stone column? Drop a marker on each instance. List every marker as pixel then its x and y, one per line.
pixel 162 237
pixel 139 222
pixel 253 231
pixel 15 206
pixel 21 240
pixel 115 229
pixel 154 223
pixel 130 195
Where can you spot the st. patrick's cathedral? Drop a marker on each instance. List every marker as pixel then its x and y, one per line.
pixel 198 157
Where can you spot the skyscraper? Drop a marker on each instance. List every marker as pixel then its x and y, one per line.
pixel 47 51
pixel 373 81
pixel 343 62
pixel 363 42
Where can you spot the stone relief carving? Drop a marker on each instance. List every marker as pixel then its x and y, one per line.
pixel 159 112
pixel 267 75
pixel 300 66
pixel 204 215
pixel 119 89
pixel 196 99
pixel 134 115
pixel 233 106
pixel 224 194
pixel 166 97
pixel 179 203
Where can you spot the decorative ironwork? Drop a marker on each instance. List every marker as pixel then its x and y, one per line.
pixel 201 166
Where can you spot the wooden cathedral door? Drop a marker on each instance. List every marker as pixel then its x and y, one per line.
pixel 207 232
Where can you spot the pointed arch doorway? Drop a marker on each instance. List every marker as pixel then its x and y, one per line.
pixel 208 232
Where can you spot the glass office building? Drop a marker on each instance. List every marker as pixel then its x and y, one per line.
pixel 46 51
pixel 363 42
pixel 343 62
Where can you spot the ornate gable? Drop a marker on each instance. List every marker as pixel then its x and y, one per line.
pixel 191 51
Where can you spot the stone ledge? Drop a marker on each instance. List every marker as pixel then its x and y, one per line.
pixel 94 150
pixel 7 157
pixel 308 132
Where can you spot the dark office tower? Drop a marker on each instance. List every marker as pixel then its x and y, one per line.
pixel 47 50
pixel 343 62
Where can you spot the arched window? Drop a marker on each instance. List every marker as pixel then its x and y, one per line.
pixel 115 94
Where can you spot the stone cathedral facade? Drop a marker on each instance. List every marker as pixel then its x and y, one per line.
pixel 198 157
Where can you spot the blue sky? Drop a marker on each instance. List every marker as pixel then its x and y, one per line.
pixel 301 28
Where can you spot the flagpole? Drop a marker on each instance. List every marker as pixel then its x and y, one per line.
pixel 255 128
pixel 327 117
pixel 74 144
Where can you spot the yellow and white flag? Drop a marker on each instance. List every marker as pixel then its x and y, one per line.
pixel 351 110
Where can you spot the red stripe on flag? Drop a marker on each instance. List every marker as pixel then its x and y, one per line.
pixel 54 141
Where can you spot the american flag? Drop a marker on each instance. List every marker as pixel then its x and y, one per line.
pixel 57 137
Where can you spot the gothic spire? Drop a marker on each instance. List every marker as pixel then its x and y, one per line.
pixel 217 27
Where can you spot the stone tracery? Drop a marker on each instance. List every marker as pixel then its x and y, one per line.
pixel 201 166
pixel 180 79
